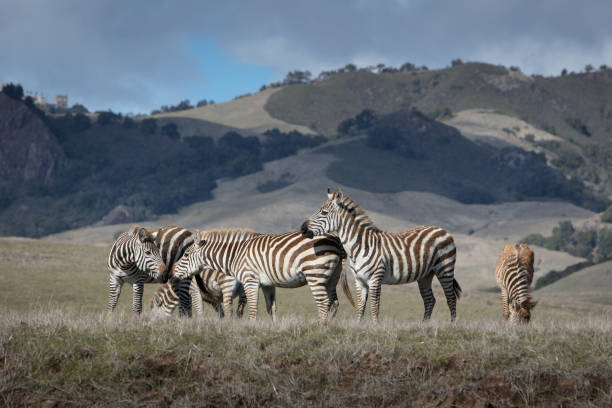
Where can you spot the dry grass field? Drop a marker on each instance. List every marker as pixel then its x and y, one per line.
pixel 59 348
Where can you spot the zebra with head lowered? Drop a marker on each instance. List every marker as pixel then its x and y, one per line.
pixel 514 274
pixel 208 286
pixel 168 244
pixel 134 258
pixel 378 257
pixel 269 261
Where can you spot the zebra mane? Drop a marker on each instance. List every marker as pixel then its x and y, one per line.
pixel 227 235
pixel 349 205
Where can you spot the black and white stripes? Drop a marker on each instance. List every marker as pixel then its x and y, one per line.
pixel 269 261
pixel 134 258
pixel 514 274
pixel 378 257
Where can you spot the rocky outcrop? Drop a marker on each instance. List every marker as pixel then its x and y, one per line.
pixel 28 149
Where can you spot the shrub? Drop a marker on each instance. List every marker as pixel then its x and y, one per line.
pixel 14 91
pixel 607 215
pixel 171 130
pixel 578 125
pixel 604 244
pixel 148 126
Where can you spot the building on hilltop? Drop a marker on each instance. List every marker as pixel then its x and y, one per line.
pixel 61 101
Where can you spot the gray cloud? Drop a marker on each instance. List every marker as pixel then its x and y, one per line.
pixel 135 55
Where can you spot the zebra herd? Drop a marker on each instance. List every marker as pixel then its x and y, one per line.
pixel 218 265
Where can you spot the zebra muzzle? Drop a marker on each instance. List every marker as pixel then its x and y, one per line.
pixel 305 231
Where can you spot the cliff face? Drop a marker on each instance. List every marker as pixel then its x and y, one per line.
pixel 28 149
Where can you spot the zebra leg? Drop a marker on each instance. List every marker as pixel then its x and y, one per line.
pixel 137 290
pixel 114 290
pixel 331 291
pixel 449 292
pixel 242 299
pixel 504 295
pixel 319 293
pixel 375 286
pixel 251 287
pixel 184 297
pixel 429 299
pixel 270 296
pixel 362 296
pixel 227 290
pixel 196 298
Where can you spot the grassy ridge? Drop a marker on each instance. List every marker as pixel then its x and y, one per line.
pixel 122 361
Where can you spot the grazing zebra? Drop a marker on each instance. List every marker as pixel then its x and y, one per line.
pixel 269 260
pixel 378 257
pixel 214 284
pixel 134 258
pixel 514 274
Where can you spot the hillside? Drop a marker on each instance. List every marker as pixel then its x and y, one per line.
pixel 245 115
pixel 479 230
pixel 575 107
pixel 593 284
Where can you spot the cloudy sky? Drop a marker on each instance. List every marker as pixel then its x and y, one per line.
pixel 136 55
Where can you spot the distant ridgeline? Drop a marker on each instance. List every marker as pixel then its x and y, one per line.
pixel 407 150
pixel 108 161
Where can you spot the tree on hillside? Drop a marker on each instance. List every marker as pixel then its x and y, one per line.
pixel 588 68
pixel 297 77
pixel 350 67
pixel 603 67
pixel 203 102
pixel 171 130
pixel 148 126
pixel 78 108
pixel 12 90
pixel 563 72
pixel 408 66
pixel 108 117
pixel 456 62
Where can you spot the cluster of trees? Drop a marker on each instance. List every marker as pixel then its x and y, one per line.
pixel 116 160
pixel 305 77
pixel 588 68
pixel 595 245
pixel 12 90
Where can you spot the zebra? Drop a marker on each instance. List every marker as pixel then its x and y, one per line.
pixel 269 260
pixel 378 257
pixel 134 258
pixel 208 286
pixel 170 242
pixel 514 274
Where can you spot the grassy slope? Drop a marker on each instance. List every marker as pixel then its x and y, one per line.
pixel 592 284
pixel 540 101
pixel 245 113
pixel 58 347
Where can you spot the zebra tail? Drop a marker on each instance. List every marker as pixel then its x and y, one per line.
pixel 206 295
pixel 345 285
pixel 457 289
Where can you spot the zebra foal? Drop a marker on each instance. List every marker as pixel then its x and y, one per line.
pixel 378 257
pixel 514 274
pixel 208 286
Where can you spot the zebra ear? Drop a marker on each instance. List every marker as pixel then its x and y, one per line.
pixel 156 234
pixel 339 195
pixel 329 194
pixel 143 235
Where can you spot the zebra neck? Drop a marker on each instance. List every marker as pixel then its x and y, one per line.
pixel 356 238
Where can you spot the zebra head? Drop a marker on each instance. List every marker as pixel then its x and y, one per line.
pixel 327 218
pixel 146 253
pixel 520 312
pixel 192 260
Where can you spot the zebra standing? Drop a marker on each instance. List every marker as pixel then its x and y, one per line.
pixel 514 274
pixel 134 258
pixel 378 257
pixel 269 260
pixel 214 284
